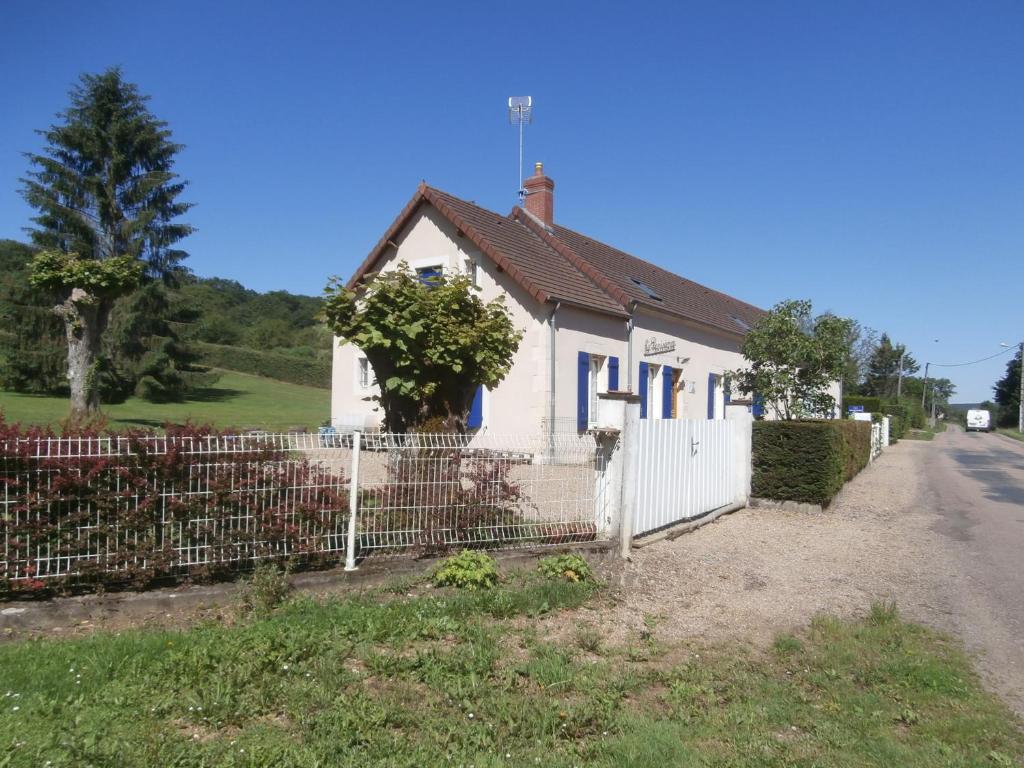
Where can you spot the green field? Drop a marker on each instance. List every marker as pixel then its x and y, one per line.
pixel 1011 432
pixel 516 676
pixel 236 400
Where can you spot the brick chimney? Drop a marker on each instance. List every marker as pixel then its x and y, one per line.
pixel 540 195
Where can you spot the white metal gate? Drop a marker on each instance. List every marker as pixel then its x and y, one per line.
pixel 688 468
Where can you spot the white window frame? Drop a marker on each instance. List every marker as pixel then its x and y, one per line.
pixel 597 383
pixel 473 270
pixel 654 390
pixel 363 367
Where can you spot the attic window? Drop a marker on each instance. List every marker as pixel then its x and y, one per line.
pixel 740 322
pixel 646 289
pixel 429 276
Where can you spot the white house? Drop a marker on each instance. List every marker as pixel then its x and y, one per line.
pixel 596 319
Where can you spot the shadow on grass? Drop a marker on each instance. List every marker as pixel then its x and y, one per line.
pixel 212 395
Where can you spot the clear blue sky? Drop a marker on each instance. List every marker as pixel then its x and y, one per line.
pixel 866 155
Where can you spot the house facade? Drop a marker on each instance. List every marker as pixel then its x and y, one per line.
pixel 595 319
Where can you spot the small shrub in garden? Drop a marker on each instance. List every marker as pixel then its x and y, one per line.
pixel 265 589
pixel 467 570
pixel 569 567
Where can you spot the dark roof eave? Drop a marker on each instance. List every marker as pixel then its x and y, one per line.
pixel 586 307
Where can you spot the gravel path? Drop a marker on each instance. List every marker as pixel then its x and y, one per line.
pixel 757 572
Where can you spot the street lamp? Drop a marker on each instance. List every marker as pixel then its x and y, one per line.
pixel 899 380
pixel 924 387
pixel 1020 393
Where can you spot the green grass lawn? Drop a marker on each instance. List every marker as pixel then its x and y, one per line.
pixel 236 400
pixel 1010 432
pixel 438 678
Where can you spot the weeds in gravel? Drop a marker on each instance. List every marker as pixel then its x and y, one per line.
pixel 264 590
pixel 588 638
pixel 454 678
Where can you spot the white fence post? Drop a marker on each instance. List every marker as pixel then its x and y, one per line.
pixel 630 450
pixel 742 440
pixel 353 503
pixel 611 455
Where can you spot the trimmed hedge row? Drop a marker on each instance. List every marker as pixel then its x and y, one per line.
pixel 899 421
pixel 871 404
pixel 807 461
pixel 274 365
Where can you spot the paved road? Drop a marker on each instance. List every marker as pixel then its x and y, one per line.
pixel 975 485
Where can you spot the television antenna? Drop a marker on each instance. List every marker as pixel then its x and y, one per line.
pixel 520 112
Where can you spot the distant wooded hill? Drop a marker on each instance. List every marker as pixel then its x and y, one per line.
pixel 162 339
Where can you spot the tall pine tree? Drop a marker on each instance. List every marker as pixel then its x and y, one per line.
pixel 107 202
pixel 882 379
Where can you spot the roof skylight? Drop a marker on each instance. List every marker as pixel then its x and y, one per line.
pixel 646 289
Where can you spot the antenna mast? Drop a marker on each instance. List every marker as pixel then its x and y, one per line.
pixel 520 112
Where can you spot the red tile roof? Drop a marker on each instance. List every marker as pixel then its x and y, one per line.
pixel 563 265
pixel 678 295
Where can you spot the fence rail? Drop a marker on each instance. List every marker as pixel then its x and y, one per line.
pixel 139 507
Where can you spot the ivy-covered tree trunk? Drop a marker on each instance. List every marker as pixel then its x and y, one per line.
pixel 85 318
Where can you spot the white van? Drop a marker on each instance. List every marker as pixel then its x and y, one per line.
pixel 979 421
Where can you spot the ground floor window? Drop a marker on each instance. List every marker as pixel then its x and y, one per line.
pixel 654 392
pixel 597 383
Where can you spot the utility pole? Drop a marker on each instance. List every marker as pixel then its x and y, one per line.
pixel 899 381
pixel 924 387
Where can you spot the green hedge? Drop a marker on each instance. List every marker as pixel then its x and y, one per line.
pixel 807 461
pixel 856 444
pixel 273 365
pixel 899 421
pixel 871 404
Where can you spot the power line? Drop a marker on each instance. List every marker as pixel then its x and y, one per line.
pixel 975 362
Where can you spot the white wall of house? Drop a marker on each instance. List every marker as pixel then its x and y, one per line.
pixel 601 337
pixel 431 240
pixel 696 352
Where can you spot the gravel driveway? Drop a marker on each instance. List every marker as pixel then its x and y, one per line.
pixel 758 572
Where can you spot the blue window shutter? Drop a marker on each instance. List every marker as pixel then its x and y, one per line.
pixel 758 408
pixel 643 390
pixel 613 374
pixel 711 395
pixel 476 410
pixel 582 391
pixel 666 392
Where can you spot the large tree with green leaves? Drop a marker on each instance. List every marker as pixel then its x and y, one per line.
pixel 107 202
pixel 1007 391
pixel 794 359
pixel 430 344
pixel 33 352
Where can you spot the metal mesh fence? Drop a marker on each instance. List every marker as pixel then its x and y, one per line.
pixel 443 491
pixel 138 507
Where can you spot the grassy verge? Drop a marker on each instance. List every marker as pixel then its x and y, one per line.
pixel 928 433
pixel 919 434
pixel 1010 432
pixel 236 400
pixel 448 678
